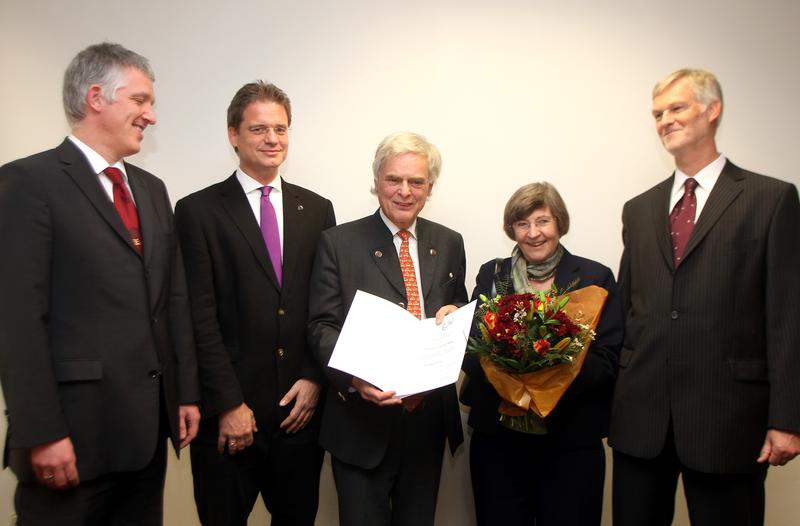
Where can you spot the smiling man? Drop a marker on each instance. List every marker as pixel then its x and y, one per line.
pixel 96 355
pixel 249 244
pixel 708 373
pixel 387 452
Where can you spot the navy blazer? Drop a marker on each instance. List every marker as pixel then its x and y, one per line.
pixel 711 346
pixel 93 335
pixel 582 415
pixel 250 332
pixel 361 255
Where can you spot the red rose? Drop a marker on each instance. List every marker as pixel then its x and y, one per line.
pixel 541 347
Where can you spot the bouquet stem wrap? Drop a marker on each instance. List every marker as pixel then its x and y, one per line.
pixel 541 390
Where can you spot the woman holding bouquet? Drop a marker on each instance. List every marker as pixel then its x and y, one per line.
pixel 551 471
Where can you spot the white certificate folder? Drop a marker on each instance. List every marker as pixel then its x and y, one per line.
pixel 385 345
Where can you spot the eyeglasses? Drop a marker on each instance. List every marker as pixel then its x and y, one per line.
pixel 280 131
pixel 540 223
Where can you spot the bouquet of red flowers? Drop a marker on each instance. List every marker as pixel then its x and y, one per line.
pixel 533 345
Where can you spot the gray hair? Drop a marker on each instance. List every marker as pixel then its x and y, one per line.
pixel 531 197
pixel 704 84
pixel 101 64
pixel 408 142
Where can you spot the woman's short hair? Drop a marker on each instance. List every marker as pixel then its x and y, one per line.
pixel 531 197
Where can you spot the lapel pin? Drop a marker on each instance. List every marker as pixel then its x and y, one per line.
pixel 433 252
pixel 451 274
pixel 378 254
pixel 299 207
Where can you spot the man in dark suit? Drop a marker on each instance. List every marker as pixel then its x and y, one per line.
pixel 707 385
pixel 96 350
pixel 387 452
pixel 249 245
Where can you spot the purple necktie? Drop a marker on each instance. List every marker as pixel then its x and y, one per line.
pixel 269 231
pixel 682 220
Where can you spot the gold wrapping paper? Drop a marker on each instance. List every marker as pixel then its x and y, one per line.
pixel 541 390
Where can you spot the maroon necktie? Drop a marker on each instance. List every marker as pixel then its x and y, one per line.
pixel 125 207
pixel 681 220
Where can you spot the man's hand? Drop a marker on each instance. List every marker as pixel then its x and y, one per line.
pixel 54 464
pixel 236 428
pixel 779 447
pixel 188 423
pixel 444 311
pixel 372 394
pixel 305 394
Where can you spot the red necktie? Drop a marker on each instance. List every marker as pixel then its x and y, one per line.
pixel 409 276
pixel 125 207
pixel 682 220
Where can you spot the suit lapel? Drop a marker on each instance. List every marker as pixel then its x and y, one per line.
pixel 428 256
pixel 78 168
pixel 660 210
pixel 293 231
pixel 725 191
pixel 567 271
pixel 384 254
pixel 236 205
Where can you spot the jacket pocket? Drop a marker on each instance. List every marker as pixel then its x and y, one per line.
pixel 748 370
pixel 78 370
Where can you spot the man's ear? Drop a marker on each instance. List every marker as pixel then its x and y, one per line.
pixel 714 110
pixel 95 98
pixel 233 138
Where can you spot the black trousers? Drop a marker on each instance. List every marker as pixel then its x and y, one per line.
pixel 644 492
pixel 530 480
pixel 134 498
pixel 286 474
pixel 402 489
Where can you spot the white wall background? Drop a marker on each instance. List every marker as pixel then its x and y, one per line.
pixel 512 92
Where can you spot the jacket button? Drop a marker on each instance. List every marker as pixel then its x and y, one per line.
pixel 281 352
pixel 154 374
pixel 401 304
pixel 281 312
pixel 673 315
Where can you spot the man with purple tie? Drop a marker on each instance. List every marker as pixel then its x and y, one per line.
pixel 249 244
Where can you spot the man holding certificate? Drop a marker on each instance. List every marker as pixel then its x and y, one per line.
pixel 387 451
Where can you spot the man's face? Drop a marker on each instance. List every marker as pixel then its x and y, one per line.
pixel 262 139
pixel 403 187
pixel 124 119
pixel 682 122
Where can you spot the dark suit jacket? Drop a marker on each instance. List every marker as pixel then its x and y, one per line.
pixel 250 333
pixel 582 415
pixel 89 329
pixel 360 255
pixel 712 344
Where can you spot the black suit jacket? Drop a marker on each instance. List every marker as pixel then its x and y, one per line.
pixel 360 255
pixel 89 329
pixel 712 344
pixel 582 415
pixel 250 333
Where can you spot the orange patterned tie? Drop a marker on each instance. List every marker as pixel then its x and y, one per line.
pixel 409 276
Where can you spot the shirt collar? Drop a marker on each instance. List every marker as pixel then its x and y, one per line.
pixel 251 185
pixel 96 160
pixel 706 178
pixel 394 229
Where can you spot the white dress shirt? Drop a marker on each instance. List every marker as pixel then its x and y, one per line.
pixel 706 179
pixel 99 164
pixel 412 251
pixel 252 190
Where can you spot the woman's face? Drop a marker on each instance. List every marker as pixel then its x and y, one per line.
pixel 537 235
